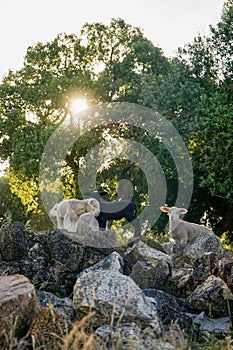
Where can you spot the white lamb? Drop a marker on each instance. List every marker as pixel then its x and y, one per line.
pixel 182 231
pixel 87 220
pixel 67 212
pixel 78 224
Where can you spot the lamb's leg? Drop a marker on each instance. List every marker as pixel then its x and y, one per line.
pixel 137 227
pixel 60 224
pixel 103 223
pixel 67 222
pixel 132 218
pixel 183 240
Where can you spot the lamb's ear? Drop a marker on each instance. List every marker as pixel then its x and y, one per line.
pixel 182 211
pixel 164 209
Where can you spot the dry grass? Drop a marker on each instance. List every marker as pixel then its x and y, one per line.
pixel 51 331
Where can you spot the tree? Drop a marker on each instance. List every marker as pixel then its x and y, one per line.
pixel 222 37
pixel 105 63
pixel 10 207
pixel 197 97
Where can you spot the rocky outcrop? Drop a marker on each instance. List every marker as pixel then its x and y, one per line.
pixel 51 261
pixel 139 295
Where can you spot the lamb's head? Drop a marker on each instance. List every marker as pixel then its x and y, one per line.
pixel 53 214
pixel 93 206
pixel 173 212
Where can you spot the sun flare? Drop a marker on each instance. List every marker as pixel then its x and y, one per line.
pixel 78 105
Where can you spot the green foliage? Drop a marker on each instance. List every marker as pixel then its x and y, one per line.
pixel 222 37
pixel 26 188
pixel 11 208
pixel 212 139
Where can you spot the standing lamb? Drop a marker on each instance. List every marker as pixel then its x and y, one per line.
pixel 67 212
pixel 117 210
pixel 182 231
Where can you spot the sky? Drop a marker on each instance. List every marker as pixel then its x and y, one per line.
pixel 169 24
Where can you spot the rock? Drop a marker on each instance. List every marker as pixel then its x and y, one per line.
pixel 186 254
pixel 128 336
pixel 19 305
pixel 225 271
pixel 113 262
pixel 68 257
pixel 204 266
pixel 181 282
pixel 48 329
pixel 212 296
pixel 13 242
pixel 153 244
pixel 45 298
pixel 99 239
pixel 148 241
pixel 171 309
pixel 168 247
pixel 63 306
pixel 53 260
pixel 149 268
pixel 204 243
pixel 65 253
pixel 179 259
pixel 228 253
pixel 112 296
pixel 219 326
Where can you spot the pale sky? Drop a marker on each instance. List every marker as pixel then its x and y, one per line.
pixel 167 23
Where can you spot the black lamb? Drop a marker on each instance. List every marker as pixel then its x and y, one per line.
pixel 117 210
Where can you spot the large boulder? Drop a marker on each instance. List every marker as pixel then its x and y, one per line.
pixel 213 296
pixel 112 296
pixel 203 243
pixel 148 267
pixel 99 239
pixel 66 257
pixel 19 305
pixel 64 252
